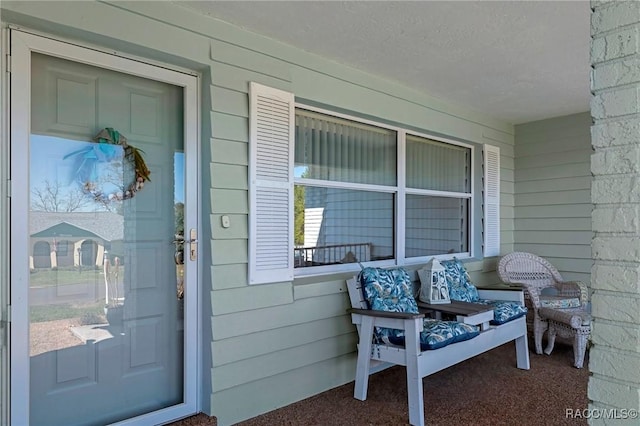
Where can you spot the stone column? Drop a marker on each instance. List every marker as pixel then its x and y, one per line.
pixel 615 164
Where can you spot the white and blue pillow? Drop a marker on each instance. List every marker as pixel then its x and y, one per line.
pixel 388 290
pixel 462 289
pixel 460 286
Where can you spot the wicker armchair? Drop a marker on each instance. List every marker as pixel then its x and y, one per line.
pixel 564 313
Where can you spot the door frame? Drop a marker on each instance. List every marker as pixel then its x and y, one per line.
pixel 22 44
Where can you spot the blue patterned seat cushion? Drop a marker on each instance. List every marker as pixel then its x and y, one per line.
pixel 462 289
pixel 391 290
pixel 462 332
pixel 504 311
pixel 437 334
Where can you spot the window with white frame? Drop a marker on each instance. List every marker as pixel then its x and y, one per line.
pixel 438 197
pixel 356 191
pixel 345 176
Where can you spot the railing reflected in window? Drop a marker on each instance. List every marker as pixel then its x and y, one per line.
pixel 332 255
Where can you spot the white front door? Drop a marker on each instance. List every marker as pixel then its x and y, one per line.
pixel 104 311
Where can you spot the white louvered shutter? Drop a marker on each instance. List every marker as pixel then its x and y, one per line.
pixel 271 133
pixel 491 200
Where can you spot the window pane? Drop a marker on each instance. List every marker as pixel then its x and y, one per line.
pixel 436 225
pixel 330 148
pixel 342 226
pixel 437 165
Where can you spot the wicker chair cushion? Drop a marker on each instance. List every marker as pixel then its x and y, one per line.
pixel 460 287
pixel 557 302
pixel 504 311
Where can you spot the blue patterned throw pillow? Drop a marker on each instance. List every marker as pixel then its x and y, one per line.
pixel 460 287
pixel 388 290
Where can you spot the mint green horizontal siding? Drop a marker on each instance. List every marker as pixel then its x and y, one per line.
pixel 551 211
pixel 228 251
pixel 304 310
pixel 572 156
pixel 250 298
pixel 551 172
pixel 229 101
pixel 234 349
pixel 230 127
pixel 229 176
pixel 234 78
pixel 304 291
pixel 559 196
pixel 230 152
pixel 507 199
pixel 228 276
pixel 553 192
pixel 282 389
pixel 248 59
pixel 578 251
pixel 229 201
pixel 554 224
pixel 281 361
pixel 550 184
pixel 238 228
pixel 554 237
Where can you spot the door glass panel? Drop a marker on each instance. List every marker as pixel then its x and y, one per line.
pixel 105 306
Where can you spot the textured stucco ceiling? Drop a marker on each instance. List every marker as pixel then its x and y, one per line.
pixel 518 61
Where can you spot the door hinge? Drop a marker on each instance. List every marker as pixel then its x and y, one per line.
pixel 9 188
pixel 9 63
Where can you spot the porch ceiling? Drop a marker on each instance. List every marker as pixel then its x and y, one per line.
pixel 518 61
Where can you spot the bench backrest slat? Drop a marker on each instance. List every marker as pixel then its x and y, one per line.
pixel 356 294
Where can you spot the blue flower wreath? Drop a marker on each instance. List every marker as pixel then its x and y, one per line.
pixel 107 147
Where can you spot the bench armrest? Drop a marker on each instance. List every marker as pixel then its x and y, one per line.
pixel 505 295
pixel 395 320
pixel 384 314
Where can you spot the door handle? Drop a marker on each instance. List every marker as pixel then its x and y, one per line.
pixel 193 244
pixel 192 241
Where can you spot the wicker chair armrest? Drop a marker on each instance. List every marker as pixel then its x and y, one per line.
pixel 532 291
pixel 384 314
pixel 573 289
pixel 573 318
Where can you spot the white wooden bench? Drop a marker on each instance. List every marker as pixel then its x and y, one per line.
pixel 374 357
